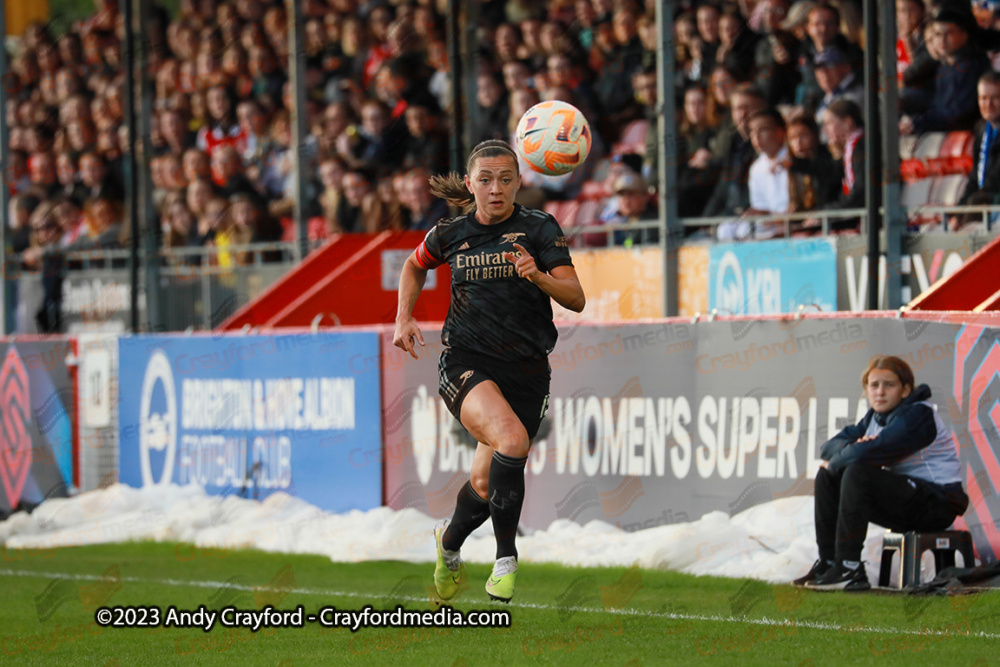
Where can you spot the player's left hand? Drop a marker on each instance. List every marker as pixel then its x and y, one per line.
pixel 525 264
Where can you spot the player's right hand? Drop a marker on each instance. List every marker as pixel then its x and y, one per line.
pixel 407 335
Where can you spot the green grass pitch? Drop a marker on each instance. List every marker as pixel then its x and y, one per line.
pixel 560 615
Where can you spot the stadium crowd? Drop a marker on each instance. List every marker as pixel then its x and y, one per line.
pixel 769 99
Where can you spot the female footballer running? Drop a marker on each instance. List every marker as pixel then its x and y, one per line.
pixel 506 262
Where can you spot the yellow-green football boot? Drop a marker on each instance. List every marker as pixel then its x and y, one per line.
pixel 500 585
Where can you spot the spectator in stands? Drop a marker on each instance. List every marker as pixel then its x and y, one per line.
pixel 196 165
pixel 331 174
pixel 823 29
pixel 222 129
pixel 20 208
pixel 645 97
pixel 42 173
pixel 390 190
pixel 813 178
pixel 517 76
pixel 357 206
pixel 720 88
pixel 777 72
pixel 844 126
pixel 734 155
pixel 44 254
pixel 268 79
pixel 213 214
pixel 983 184
pixel 253 124
pixel 18 179
pixel 837 80
pixel 177 137
pixel 71 221
pixel 247 224
pixel 561 71
pixel 425 147
pixel 910 45
pixel 612 87
pixel 95 177
pixel 494 108
pixel 69 178
pixel 425 209
pixel 178 225
pixel 695 176
pixel 737 44
pixel 223 233
pixel 228 176
pixel 648 36
pixel 632 204
pixel 953 104
pixel 197 195
pixel 768 179
pixel 105 229
pixel 687 50
pixel 375 143
pixel 584 24
pixel 707 20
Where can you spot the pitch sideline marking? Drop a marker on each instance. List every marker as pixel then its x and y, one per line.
pixel 811 625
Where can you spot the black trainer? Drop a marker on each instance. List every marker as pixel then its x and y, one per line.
pixel 818 569
pixel 842 578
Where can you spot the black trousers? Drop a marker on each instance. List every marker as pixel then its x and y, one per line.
pixel 846 501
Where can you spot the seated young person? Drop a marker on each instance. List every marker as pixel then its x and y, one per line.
pixel 897 467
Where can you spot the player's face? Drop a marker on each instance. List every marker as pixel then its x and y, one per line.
pixel 494 182
pixel 885 391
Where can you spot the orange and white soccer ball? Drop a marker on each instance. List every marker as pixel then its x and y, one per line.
pixel 553 137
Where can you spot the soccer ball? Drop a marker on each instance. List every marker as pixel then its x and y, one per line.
pixel 553 138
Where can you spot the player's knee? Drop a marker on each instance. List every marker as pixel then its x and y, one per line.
pixel 481 483
pixel 513 442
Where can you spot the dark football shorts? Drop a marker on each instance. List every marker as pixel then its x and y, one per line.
pixel 525 388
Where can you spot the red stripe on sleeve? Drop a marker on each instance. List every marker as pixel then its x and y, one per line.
pixel 425 260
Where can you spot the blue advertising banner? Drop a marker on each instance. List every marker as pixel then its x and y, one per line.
pixel 251 415
pixel 770 277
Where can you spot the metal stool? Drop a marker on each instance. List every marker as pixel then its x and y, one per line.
pixel 911 547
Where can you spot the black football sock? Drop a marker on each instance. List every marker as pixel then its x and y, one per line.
pixel 506 498
pixel 470 513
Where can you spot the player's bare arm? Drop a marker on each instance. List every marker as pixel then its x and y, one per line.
pixel 562 283
pixel 411 281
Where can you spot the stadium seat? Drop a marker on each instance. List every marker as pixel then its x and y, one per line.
pixel 633 138
pixel 929 146
pixel 911 547
pixel 588 214
pixel 947 190
pixel 914 196
pixel 916 193
pixel 912 169
pixel 954 156
pixel 960 161
pixel 568 213
pixel 907 147
pixel 565 212
pixel 595 189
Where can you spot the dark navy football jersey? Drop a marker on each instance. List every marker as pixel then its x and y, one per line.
pixel 493 311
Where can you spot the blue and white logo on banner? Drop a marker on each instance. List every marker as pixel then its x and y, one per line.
pixel 769 277
pixel 253 415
